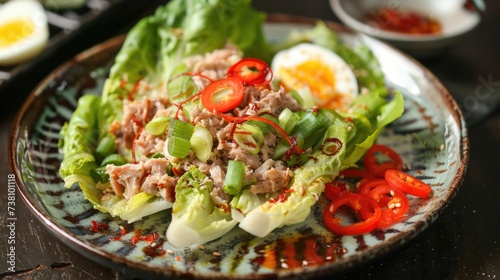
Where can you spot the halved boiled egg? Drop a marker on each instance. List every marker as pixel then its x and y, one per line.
pixel 315 69
pixel 23 31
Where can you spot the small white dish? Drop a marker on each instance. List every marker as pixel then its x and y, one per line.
pixel 456 22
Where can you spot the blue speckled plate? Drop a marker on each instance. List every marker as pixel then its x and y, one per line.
pixel 430 136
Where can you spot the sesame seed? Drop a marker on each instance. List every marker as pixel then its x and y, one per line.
pixel 216 254
pixel 331 208
pixel 442 147
pixel 398 204
pixel 328 258
pixel 284 265
pixel 153 244
pixel 391 206
pixel 304 263
pixel 170 252
pixel 201 247
pixel 392 193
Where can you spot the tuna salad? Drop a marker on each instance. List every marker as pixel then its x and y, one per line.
pixel 221 126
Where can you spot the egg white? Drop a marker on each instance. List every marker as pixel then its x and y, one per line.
pixel 35 42
pixel 345 84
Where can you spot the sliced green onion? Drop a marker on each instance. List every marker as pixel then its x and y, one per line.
pixel 234 177
pixel 115 159
pixel 179 134
pixel 329 117
pixel 178 147
pixel 315 140
pixel 282 147
pixel 99 174
pixel 264 127
pixel 287 120
pixel 202 142
pixel 297 160
pixel 307 125
pixel 105 147
pixel 248 137
pixel 158 125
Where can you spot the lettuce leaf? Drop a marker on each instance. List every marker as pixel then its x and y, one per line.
pixel 155 47
pixel 380 118
pixel 79 138
pixel 308 181
pixel 152 50
pixel 307 185
pixel 195 217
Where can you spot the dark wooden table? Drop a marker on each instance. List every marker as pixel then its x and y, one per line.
pixel 464 243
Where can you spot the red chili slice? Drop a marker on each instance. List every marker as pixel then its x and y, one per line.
pixel 393 203
pixel 407 183
pixel 356 202
pixel 223 95
pixel 366 185
pixel 378 169
pixel 334 190
pixel 251 71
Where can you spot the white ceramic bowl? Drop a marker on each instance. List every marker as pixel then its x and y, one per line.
pixel 455 22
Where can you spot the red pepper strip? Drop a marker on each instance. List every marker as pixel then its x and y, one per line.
pixel 134 90
pixel 407 183
pixel 334 190
pixel 179 105
pixel 198 75
pixel 365 186
pixel 378 169
pixel 251 71
pixel 357 202
pixel 393 202
pixel 268 121
pixel 223 95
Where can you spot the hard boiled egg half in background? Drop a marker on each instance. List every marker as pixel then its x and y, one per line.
pixel 308 68
pixel 23 31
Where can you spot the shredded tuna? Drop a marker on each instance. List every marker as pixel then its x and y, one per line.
pixel 149 176
pixel 136 114
pixel 271 176
pixel 125 179
pixel 213 65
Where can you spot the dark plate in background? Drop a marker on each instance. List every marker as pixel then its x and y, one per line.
pixel 71 32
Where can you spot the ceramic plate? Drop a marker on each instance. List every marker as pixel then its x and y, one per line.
pixel 430 137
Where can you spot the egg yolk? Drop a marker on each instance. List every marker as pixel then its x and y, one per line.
pixel 314 74
pixel 14 31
